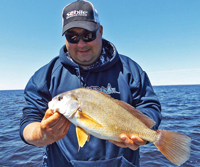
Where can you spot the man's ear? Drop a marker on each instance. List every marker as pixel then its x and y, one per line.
pixel 101 30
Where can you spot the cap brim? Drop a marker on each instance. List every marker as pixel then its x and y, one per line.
pixel 90 26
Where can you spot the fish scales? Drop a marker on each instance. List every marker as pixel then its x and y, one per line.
pixel 122 121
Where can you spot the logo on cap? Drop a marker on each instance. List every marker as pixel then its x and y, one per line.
pixel 76 13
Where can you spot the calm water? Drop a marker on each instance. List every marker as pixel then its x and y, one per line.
pixel 180 110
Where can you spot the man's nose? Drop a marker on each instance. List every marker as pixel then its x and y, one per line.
pixel 81 43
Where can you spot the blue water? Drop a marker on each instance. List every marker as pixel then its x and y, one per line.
pixel 180 110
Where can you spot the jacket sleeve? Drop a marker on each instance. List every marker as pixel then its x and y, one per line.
pixel 146 101
pixel 37 98
pixel 143 96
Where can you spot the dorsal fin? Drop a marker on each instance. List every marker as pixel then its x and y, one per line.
pixel 142 117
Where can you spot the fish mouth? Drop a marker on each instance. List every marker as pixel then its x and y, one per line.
pixel 51 106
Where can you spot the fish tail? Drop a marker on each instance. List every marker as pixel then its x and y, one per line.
pixel 174 146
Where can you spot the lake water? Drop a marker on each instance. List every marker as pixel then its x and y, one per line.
pixel 180 111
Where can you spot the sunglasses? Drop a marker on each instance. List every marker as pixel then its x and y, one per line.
pixel 86 37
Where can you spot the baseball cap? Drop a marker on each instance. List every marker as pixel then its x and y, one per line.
pixel 80 14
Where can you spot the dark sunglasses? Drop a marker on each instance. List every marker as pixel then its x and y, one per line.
pixel 86 37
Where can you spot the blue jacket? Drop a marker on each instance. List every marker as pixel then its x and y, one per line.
pixel 121 77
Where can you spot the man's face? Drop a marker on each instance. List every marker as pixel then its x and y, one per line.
pixel 85 53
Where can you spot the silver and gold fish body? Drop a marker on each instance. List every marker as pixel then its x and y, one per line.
pixel 96 113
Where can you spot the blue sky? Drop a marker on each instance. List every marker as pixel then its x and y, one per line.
pixel 163 36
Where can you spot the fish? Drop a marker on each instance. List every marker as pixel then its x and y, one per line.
pixel 98 114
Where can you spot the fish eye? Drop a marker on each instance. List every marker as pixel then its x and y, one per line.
pixel 60 98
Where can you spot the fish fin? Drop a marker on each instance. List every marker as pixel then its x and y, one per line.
pixel 142 117
pixel 82 136
pixel 174 146
pixel 88 121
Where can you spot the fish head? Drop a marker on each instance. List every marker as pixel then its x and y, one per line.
pixel 65 103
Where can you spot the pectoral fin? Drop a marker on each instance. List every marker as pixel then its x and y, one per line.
pixel 88 121
pixel 82 136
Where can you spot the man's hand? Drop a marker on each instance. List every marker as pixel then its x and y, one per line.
pixel 133 143
pixel 53 127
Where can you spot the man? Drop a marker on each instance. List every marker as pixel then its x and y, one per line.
pixel 87 61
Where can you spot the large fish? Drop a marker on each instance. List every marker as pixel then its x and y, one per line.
pixel 96 113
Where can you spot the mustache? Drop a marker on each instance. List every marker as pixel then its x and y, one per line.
pixel 82 48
